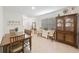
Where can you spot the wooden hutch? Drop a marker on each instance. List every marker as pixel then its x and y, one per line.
pixel 67 29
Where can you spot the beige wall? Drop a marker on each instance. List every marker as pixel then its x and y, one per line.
pixel 11 15
pixel 1 23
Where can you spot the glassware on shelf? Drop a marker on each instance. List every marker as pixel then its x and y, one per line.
pixel 59 24
pixel 69 20
pixel 68 25
pixel 59 21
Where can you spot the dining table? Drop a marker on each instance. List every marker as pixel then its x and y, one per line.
pixel 4 45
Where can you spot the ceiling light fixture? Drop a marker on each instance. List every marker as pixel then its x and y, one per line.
pixel 33 8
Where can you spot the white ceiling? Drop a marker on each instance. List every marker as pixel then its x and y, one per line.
pixel 27 10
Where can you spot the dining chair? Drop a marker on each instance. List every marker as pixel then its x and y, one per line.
pixel 27 41
pixel 16 44
pixel 52 34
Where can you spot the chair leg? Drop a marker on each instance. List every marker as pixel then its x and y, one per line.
pixel 23 50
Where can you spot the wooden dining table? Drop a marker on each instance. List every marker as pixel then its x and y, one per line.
pixel 6 40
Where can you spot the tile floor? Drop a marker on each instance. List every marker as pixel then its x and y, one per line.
pixel 42 45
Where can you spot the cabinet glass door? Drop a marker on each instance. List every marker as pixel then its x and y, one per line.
pixel 69 24
pixel 59 24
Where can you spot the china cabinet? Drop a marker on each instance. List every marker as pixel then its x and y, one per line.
pixel 67 29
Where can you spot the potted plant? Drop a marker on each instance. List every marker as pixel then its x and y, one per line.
pixel 16 29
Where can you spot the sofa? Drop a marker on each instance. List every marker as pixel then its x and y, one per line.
pixel 45 33
pixel 48 33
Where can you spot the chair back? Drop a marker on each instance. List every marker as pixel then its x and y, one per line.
pixel 27 32
pixel 16 43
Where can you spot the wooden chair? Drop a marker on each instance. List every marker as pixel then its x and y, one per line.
pixel 27 41
pixel 27 32
pixel 16 44
pixel 52 34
